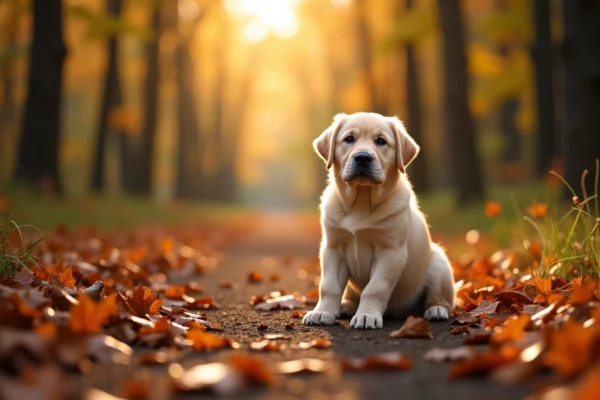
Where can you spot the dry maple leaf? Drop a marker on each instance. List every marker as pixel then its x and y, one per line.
pixel 570 349
pixel 296 314
pixel 41 274
pixel 537 210
pixel 513 329
pixel 66 279
pixel 143 301
pixel 545 293
pixel 414 327
pixel 492 208
pixel 203 341
pixel 89 316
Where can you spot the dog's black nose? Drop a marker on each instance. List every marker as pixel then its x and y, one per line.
pixel 363 158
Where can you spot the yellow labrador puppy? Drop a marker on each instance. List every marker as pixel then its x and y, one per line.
pixel 377 256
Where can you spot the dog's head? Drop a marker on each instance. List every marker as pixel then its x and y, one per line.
pixel 366 147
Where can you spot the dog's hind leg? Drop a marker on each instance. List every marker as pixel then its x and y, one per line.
pixel 439 299
pixel 350 301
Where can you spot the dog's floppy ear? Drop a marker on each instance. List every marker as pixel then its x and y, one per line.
pixel 325 144
pixel 406 147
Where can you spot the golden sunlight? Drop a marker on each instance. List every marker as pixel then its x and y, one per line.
pixel 267 16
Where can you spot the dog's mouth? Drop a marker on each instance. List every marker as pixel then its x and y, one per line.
pixel 361 175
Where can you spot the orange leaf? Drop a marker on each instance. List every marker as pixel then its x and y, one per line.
pixel 143 301
pixel 413 328
pixel 514 329
pixel 206 341
pixel 66 278
pixel 175 292
pixel 41 274
pixel 159 327
pixel 46 329
pixel 570 349
pixel 492 209
pixel 89 316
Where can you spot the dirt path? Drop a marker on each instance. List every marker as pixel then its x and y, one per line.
pixel 283 234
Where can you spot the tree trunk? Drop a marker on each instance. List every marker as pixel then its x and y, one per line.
pixel 508 111
pixel 582 90
pixel 543 60
pixel 418 170
pixel 8 108
pixel 366 57
pixel 189 165
pixel 40 137
pixel 143 180
pixel 188 160
pixel 111 98
pixel 461 132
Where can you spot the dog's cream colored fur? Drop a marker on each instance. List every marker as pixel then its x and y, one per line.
pixel 376 254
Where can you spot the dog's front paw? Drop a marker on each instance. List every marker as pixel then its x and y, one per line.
pixel 436 313
pixel 366 321
pixel 319 318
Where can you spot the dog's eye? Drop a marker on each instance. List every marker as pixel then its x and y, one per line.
pixel 380 141
pixel 349 139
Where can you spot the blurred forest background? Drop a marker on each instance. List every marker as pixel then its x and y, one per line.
pixel 219 100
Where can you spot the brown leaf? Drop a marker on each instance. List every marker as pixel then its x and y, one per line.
pixel 24 278
pixel 255 277
pixel 483 363
pixel 513 329
pixel 89 316
pixel 204 303
pixel 511 297
pixel 175 292
pixel 143 301
pixel 66 279
pixel 414 327
pixel 203 341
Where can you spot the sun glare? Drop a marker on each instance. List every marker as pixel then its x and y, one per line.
pixel 267 16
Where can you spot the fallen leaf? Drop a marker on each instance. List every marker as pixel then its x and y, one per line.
pixel 275 277
pixel 290 326
pixel 413 328
pixel 570 349
pixel 262 327
pixel 89 316
pixel 175 292
pixel 255 277
pixel 513 329
pixel 483 363
pixel 204 341
pixel 66 279
pixel 143 301
pixel 296 314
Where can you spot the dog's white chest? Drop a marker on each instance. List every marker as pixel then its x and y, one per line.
pixel 360 256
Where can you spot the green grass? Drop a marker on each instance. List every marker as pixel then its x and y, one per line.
pixel 106 213
pixel 15 252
